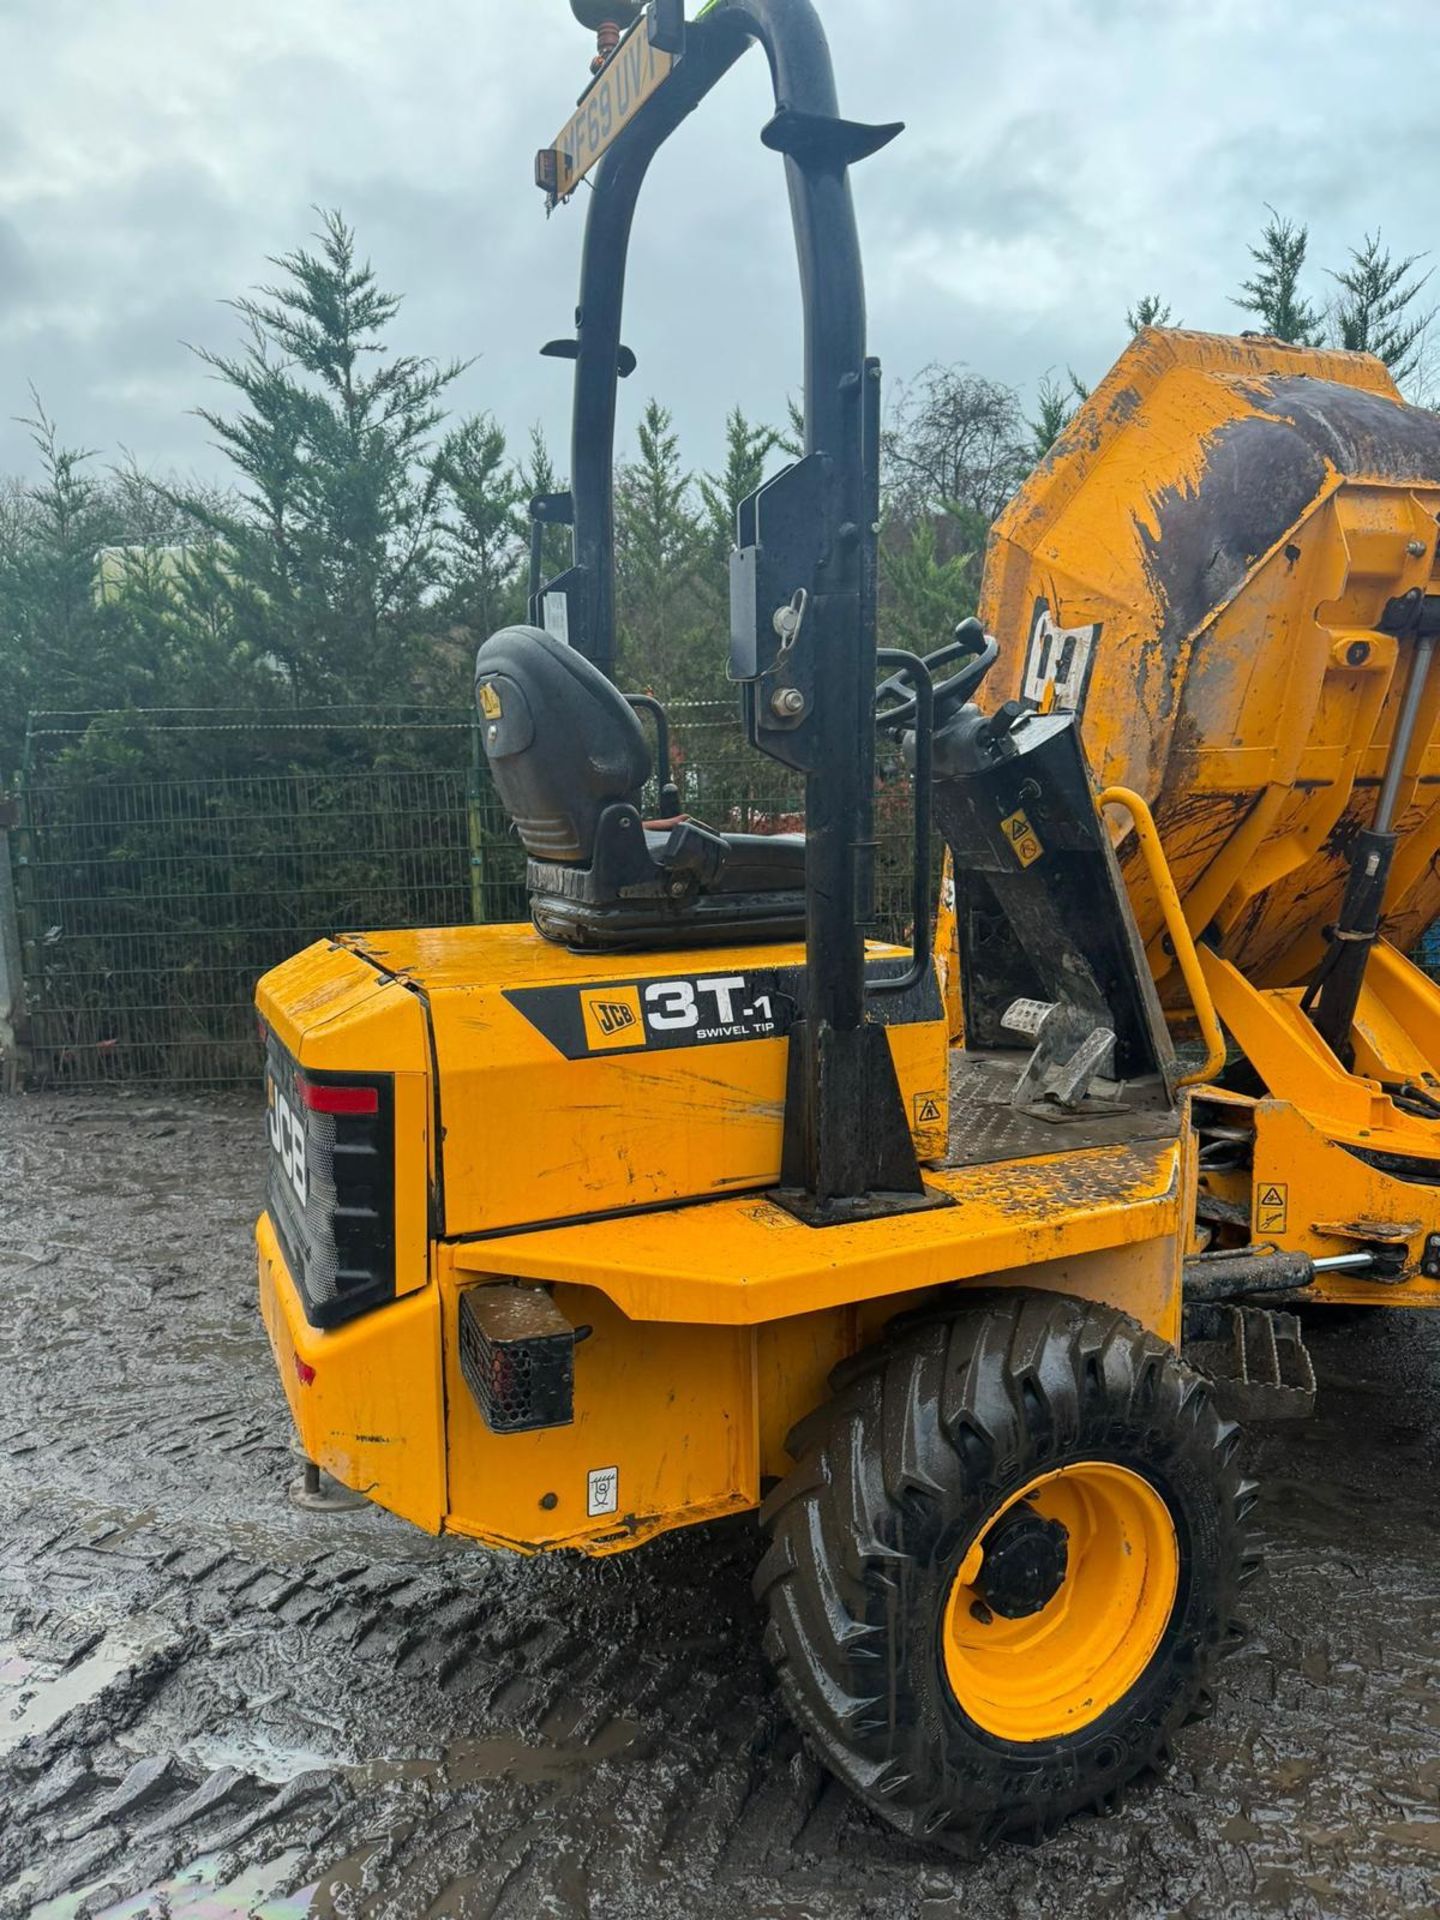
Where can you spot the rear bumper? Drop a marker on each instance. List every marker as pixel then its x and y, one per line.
pixel 367 1398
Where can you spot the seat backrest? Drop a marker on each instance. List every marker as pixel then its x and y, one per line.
pixel 562 742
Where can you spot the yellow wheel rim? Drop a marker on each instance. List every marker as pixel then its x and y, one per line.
pixel 1061 1668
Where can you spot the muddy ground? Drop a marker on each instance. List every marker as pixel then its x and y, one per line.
pixel 211 1703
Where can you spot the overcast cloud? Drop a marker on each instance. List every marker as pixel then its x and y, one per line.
pixel 1062 157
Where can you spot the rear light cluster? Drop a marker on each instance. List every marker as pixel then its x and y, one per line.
pixel 332 1185
pixel 318 1098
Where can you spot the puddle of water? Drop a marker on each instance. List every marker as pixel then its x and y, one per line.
pixel 193 1894
pixel 113 1526
pixel 1415 1833
pixel 36 1694
pixel 467 1762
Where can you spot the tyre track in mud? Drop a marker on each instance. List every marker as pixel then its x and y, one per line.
pixel 204 1689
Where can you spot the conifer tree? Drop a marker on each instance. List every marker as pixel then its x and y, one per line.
pixel 50 651
pixel 334 543
pixel 925 589
pixel 1376 309
pixel 666 646
pixel 1148 311
pixel 1057 403
pixel 747 449
pixel 539 474
pixel 483 527
pixel 1273 292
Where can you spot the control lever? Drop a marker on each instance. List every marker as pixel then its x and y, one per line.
pixel 1072 1053
pixel 915 670
pixel 669 793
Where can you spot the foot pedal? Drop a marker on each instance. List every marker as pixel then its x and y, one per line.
pixel 1255 1360
pixel 517 1353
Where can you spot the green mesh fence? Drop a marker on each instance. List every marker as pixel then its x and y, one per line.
pixel 164 860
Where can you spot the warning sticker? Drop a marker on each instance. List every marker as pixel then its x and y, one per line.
pixel 1057 664
pixel 557 617
pixel 602 1491
pixel 927 1109
pixel 490 701
pixel 1272 1207
pixel 1024 842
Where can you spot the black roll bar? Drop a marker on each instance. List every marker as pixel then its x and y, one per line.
pixel 832 280
pixel 834 742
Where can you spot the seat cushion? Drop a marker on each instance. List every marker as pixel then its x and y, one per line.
pixel 763 862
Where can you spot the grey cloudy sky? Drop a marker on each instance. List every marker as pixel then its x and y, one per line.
pixel 1062 157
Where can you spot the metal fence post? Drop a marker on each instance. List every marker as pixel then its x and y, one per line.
pixel 12 977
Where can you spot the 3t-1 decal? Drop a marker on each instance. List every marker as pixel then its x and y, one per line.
pixel 698 1010
pixel 695 1009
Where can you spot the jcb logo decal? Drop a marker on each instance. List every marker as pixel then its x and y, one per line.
pixel 287 1142
pixel 612 1018
pixel 612 1015
pixel 624 1016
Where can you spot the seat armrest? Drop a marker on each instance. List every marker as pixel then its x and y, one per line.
pixel 687 847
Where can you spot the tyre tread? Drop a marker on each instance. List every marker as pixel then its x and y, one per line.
pixel 1016 1377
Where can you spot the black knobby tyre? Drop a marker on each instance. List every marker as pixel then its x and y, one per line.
pixel 927 1440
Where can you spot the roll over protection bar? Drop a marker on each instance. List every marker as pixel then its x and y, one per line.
pixel 831 737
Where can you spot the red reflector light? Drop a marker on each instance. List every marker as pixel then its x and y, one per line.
pixel 304 1370
pixel 338 1099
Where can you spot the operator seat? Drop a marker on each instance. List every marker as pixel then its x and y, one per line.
pixel 570 761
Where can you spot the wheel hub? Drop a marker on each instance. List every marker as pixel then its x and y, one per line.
pixel 1026 1560
pixel 1061 1602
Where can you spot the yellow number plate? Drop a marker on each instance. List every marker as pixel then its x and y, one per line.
pixel 635 72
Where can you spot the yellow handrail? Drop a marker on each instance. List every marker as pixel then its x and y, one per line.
pixel 1178 929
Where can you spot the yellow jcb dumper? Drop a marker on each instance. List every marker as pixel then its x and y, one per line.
pixel 686 1200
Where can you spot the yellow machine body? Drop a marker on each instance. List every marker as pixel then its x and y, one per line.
pixel 606 1129
pixel 1200 571
pixel 630 1179
pixel 572 1227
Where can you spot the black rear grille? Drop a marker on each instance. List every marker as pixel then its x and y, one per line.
pixel 331 1190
